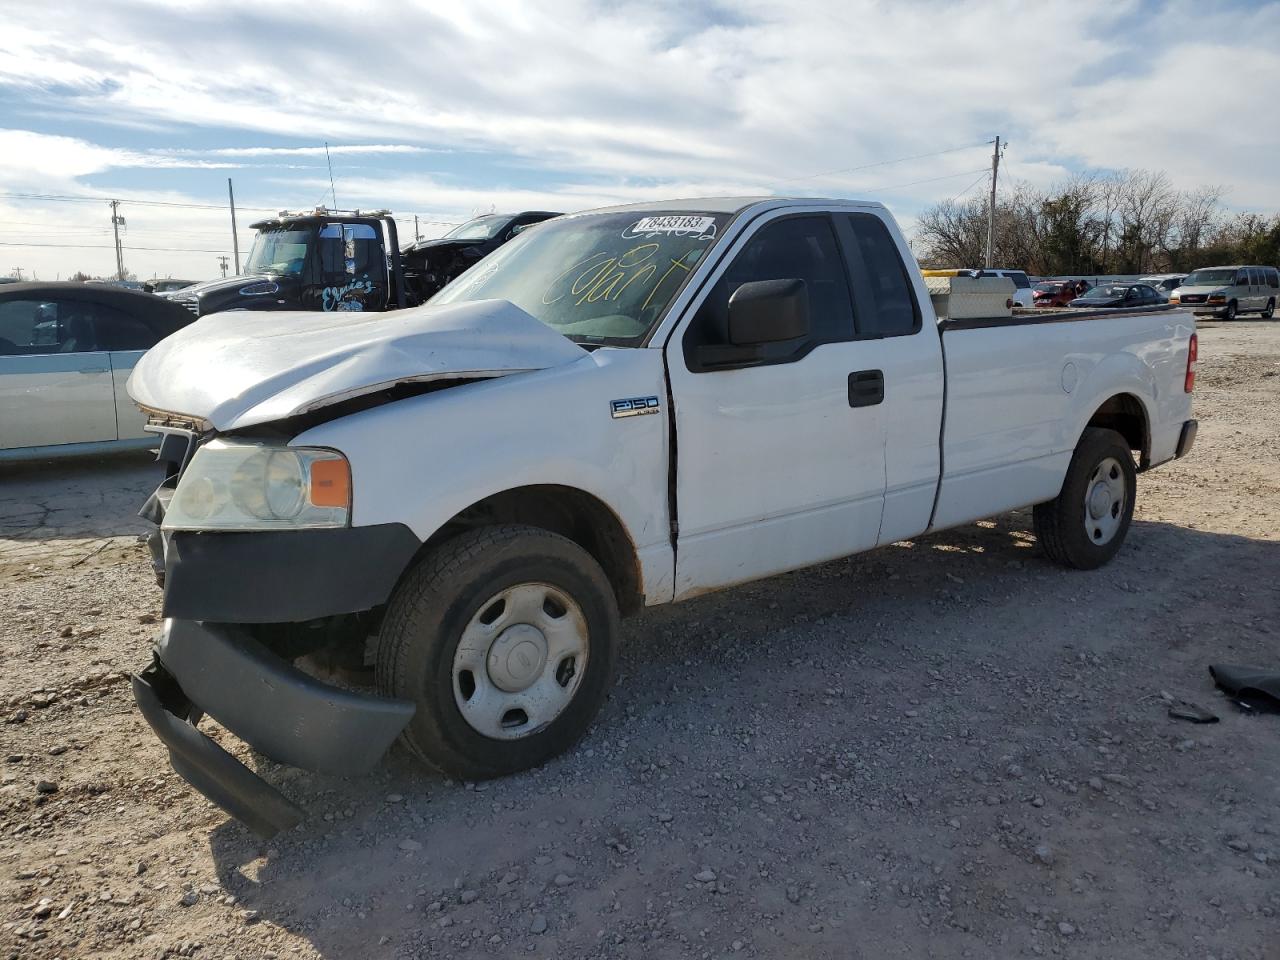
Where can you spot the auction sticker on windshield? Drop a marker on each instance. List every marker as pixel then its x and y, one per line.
pixel 680 225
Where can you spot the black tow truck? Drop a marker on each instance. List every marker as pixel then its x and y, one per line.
pixel 349 260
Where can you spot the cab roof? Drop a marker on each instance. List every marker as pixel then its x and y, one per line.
pixel 731 205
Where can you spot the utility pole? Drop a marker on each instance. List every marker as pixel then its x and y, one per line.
pixel 117 222
pixel 235 240
pixel 416 236
pixel 991 210
pixel 222 262
pixel 17 272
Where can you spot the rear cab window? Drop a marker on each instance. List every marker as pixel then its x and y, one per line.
pixel 883 296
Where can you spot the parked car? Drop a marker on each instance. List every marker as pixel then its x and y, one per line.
pixel 66 351
pixel 1166 283
pixel 620 408
pixel 435 262
pixel 1226 292
pixel 1120 295
pixel 167 285
pixel 1054 293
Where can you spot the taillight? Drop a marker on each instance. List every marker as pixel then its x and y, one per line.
pixel 1193 354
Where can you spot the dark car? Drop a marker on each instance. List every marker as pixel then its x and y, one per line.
pixel 1054 293
pixel 166 285
pixel 430 264
pixel 1120 295
pixel 66 351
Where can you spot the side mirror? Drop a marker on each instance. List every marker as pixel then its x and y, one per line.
pixel 768 311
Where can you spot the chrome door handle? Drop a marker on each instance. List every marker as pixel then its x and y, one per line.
pixel 93 370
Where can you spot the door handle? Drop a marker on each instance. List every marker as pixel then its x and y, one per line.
pixel 93 370
pixel 866 388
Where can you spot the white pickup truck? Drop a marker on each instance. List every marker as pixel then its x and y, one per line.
pixel 619 408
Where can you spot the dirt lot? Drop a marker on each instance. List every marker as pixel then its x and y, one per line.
pixel 948 748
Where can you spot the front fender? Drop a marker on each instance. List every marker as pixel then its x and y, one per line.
pixel 425 459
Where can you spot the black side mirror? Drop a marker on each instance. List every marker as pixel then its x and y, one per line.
pixel 768 311
pixel 764 311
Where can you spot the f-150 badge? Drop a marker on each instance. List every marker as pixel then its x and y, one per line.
pixel 633 407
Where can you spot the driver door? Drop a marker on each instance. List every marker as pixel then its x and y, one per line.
pixel 353 268
pixel 55 382
pixel 781 462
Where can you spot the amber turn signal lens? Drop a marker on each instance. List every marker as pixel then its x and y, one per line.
pixel 330 483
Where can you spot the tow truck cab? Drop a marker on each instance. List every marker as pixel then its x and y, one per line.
pixel 326 260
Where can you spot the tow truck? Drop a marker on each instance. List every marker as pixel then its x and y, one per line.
pixel 349 260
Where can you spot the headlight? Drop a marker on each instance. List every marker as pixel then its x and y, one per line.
pixel 260 486
pixel 1217 298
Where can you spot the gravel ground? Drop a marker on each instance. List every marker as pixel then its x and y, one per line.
pixel 946 748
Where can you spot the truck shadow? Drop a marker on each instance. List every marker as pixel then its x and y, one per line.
pixel 405 862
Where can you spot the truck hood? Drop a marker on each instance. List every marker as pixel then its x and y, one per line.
pixel 237 369
pixel 215 286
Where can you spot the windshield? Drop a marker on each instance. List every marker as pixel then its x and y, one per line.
pixel 604 278
pixel 1211 278
pixel 280 252
pixel 481 228
pixel 1048 288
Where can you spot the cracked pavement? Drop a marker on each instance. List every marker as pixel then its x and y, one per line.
pixel 55 513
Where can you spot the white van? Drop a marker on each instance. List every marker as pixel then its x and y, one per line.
pixel 1226 292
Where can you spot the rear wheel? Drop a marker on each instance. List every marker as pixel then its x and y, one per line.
pixel 505 639
pixel 1270 311
pixel 1230 312
pixel 1087 522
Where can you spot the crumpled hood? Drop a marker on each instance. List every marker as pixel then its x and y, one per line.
pixel 242 368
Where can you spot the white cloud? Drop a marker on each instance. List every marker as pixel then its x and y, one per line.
pixel 600 101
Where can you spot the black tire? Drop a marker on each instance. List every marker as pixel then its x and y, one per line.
pixel 1230 312
pixel 432 606
pixel 1060 523
pixel 1270 312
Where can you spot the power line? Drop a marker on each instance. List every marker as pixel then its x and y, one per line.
pixel 108 246
pixel 981 177
pixel 899 186
pixel 174 203
pixel 884 163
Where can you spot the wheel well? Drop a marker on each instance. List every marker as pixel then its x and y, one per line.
pixel 1125 414
pixel 570 512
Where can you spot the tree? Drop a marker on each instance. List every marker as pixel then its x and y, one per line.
pixel 1129 222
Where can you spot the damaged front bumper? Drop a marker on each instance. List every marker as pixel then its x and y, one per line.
pixel 286 715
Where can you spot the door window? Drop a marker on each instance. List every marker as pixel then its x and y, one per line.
pixel 118 330
pixel 30 327
pixel 794 248
pixel 1242 278
pixel 1273 278
pixel 348 250
pixel 886 305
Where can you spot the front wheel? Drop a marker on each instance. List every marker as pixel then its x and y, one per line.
pixel 1270 311
pixel 505 639
pixel 1085 525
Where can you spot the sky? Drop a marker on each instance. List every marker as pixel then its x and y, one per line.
pixel 444 111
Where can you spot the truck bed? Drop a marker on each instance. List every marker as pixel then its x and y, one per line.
pixel 1021 388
